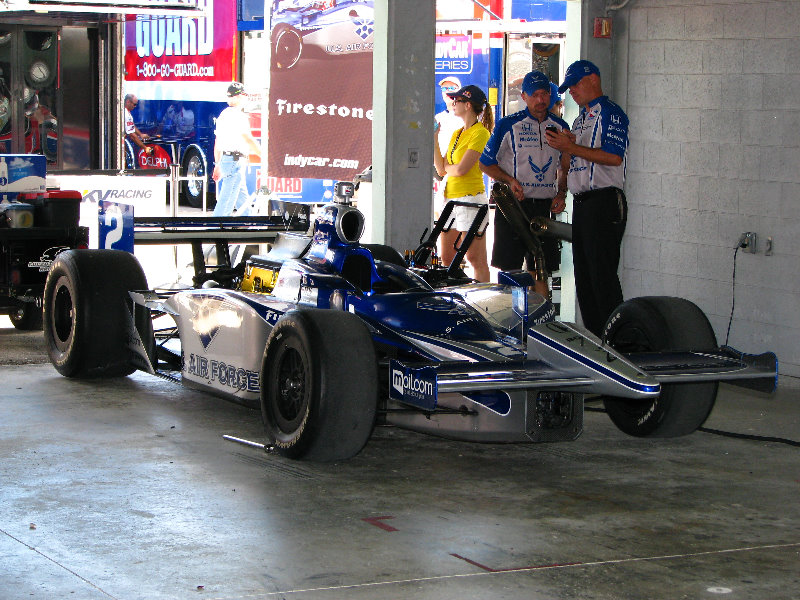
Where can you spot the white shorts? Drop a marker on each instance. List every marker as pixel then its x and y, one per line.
pixel 464 215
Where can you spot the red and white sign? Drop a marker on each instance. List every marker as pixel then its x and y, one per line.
pixel 183 48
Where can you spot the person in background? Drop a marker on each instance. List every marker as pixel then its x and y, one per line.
pixel 556 101
pixel 598 145
pixel 234 142
pixel 178 120
pixel 131 131
pixel 464 179
pixel 518 155
pixel 447 121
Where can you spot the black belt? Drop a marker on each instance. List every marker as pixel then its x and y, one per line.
pixel 583 196
pixel 235 155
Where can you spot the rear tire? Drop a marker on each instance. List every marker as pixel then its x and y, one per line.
pixel 319 385
pixel 88 314
pixel 27 317
pixel 658 323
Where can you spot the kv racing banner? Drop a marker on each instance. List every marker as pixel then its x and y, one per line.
pixel 320 105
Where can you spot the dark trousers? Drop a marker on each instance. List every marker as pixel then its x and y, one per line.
pixel 597 226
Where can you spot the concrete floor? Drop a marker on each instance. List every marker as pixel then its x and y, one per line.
pixel 126 489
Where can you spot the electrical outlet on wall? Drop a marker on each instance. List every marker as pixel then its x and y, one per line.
pixel 747 242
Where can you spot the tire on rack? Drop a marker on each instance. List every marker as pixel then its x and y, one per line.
pixel 287 46
pixel 27 317
pixel 652 324
pixel 88 314
pixel 195 165
pixel 319 385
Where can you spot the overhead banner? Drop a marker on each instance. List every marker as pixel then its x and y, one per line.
pixel 182 48
pixel 320 105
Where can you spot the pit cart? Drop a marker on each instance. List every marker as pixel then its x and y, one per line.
pixel 33 231
pixel 329 337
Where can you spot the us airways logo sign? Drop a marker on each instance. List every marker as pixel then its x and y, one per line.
pixel 413 386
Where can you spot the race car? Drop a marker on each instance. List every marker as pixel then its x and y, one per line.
pixel 329 337
pixel 325 27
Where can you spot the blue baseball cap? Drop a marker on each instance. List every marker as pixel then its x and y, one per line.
pixel 577 71
pixel 554 95
pixel 535 80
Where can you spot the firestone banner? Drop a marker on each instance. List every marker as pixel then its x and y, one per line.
pixel 183 48
pixel 320 105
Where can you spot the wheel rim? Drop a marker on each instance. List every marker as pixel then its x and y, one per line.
pixel 630 339
pixel 290 395
pixel 63 319
pixel 17 315
pixel 287 49
pixel 194 168
pixel 627 340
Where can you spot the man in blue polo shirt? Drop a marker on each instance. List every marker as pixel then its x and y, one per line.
pixel 598 145
pixel 518 154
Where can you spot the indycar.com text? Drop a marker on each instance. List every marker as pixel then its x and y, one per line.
pixel 319 161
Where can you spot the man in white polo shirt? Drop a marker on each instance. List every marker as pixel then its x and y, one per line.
pixel 233 145
pixel 598 145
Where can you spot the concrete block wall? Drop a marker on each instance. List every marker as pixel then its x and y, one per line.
pixel 712 88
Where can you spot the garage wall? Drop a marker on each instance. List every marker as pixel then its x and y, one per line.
pixel 713 93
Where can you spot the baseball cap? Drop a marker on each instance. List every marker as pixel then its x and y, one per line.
pixel 554 95
pixel 235 89
pixel 472 93
pixel 452 79
pixel 535 80
pixel 577 71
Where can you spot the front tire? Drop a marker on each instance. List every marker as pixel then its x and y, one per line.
pixel 653 324
pixel 319 385
pixel 88 322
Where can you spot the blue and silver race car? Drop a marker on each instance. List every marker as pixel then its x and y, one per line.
pixel 329 337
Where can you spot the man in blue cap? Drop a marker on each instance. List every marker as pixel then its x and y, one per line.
pixel 518 154
pixel 598 145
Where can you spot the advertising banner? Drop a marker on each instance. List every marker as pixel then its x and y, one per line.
pixel 182 48
pixel 320 111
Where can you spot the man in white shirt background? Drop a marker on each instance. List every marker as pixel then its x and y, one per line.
pixel 234 142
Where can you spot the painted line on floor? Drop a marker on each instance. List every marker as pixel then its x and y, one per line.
pixel 597 563
pixel 529 568
pixel 58 564
pixel 377 522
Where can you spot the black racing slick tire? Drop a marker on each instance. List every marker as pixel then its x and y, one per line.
pixel 27 317
pixel 88 313
pixel 652 324
pixel 319 385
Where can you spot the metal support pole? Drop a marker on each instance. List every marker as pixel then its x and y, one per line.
pixel 174 185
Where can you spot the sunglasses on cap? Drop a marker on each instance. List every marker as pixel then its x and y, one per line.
pixel 449 88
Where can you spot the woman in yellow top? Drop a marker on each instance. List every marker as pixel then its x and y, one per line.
pixel 464 177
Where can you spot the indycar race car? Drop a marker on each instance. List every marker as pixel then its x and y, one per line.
pixel 330 337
